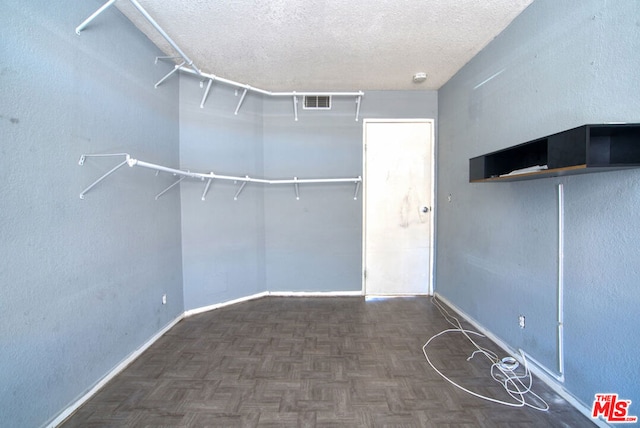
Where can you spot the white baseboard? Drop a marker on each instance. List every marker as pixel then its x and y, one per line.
pixel 208 308
pixel 393 296
pixel 274 294
pixel 315 293
pixel 113 373
pixel 540 371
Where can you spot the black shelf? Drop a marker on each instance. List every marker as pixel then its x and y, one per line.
pixel 587 148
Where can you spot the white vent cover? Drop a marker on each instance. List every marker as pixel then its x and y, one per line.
pixel 317 102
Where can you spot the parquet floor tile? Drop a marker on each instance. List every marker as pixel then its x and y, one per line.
pixel 312 362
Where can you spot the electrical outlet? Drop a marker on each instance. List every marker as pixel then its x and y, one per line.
pixel 521 321
pixel 164 299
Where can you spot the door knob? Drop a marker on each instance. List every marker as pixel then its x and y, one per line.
pixel 425 209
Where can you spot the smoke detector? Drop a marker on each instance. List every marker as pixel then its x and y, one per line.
pixel 419 77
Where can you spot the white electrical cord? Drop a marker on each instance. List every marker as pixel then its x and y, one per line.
pixel 503 370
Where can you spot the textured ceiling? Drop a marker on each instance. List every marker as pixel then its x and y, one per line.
pixel 328 45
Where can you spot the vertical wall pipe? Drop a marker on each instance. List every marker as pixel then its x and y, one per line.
pixel 561 279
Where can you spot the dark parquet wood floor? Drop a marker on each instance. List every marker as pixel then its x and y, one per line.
pixel 312 362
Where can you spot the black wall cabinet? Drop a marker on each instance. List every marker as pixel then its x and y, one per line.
pixel 588 148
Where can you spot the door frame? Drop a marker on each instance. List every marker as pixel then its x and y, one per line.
pixel 431 197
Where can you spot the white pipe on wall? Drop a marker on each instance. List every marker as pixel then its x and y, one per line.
pixel 168 74
pixel 202 176
pixel 195 70
pixel 212 176
pixel 91 186
pixel 358 100
pixel 272 93
pixel 206 93
pixel 136 162
pixel 244 94
pixel 561 280
pixel 170 187
pixel 151 21
pixel 87 21
pixel 165 35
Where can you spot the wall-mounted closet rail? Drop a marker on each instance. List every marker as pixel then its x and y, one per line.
pixel 187 66
pixel 151 21
pixel 293 94
pixel 209 177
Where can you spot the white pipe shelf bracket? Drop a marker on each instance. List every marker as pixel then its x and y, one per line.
pixel 170 187
pixel 84 157
pixel 131 162
pixel 166 58
pixel 108 173
pixel 169 74
pixel 206 188
pixel 244 183
pixel 355 194
pixel 244 94
pixel 206 93
pixel 295 184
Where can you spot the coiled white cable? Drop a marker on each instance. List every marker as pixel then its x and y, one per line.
pixel 502 371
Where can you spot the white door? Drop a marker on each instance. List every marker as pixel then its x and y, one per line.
pixel 398 195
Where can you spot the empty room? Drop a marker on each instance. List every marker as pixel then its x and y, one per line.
pixel 319 214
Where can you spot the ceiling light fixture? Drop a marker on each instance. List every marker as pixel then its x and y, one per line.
pixel 419 77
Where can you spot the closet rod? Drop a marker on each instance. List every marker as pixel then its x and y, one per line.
pixel 195 70
pixel 165 35
pixel 131 162
pixel 272 93
pixel 205 176
pixel 294 94
pixel 151 21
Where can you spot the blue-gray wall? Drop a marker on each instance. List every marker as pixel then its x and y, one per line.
pixel 223 238
pixel 315 243
pixel 312 244
pixel 268 240
pixel 81 281
pixel 557 66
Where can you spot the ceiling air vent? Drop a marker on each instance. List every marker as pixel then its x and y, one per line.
pixel 317 102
